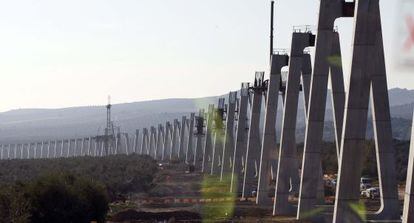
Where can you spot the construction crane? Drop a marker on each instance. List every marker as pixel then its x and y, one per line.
pixel 109 138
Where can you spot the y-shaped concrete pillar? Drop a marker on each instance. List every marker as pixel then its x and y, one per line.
pixel 16 153
pixel 13 155
pixel 55 149
pixel 12 148
pixel 136 141
pixel 189 154
pixel 160 142
pixel 208 145
pixel 61 148
pixel 127 145
pixel 252 158
pixel 199 127
pixel 41 150
pixel 408 211
pixel 16 156
pixel 218 138
pixel 75 148
pixel 174 146
pixel 48 149
pixel 69 148
pixel 144 141
pixel 35 150
pixel 269 152
pixel 228 150
pixel 82 146
pixel 157 141
pixel 4 154
pixel 181 150
pixel 24 155
pixel 368 78
pixel 288 167
pixel 16 147
pixel 8 151
pixel 95 153
pixel 153 138
pixel 327 59
pixel 166 149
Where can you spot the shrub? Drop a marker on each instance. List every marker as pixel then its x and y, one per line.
pixel 54 198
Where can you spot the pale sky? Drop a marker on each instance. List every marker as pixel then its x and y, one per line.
pixel 56 53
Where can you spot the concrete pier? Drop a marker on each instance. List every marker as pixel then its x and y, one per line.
pixel 82 147
pixel 41 149
pixel 10 152
pixel 48 149
pixel 103 150
pixel 287 179
pixel 269 152
pixel 199 132
pixel 68 149
pixel 160 142
pixel 208 145
pixel 2 151
pixel 16 156
pixel 327 46
pixel 240 148
pixel 89 146
pixel 157 143
pixel 144 141
pixel 61 148
pixel 368 80
pixel 95 153
pixel 252 158
pixel 15 147
pixel 218 138
pixel 408 211
pixel 127 145
pixel 229 143
pixel 166 149
pixel 181 149
pixel 55 149
pixel 174 144
pixel 75 148
pixel 152 138
pixel 136 141
pixel 189 153
pixel 34 151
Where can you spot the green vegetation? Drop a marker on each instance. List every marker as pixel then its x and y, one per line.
pixel 330 163
pixel 120 174
pixel 213 188
pixel 70 190
pixel 54 198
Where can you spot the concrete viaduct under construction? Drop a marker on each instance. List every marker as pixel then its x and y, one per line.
pixel 227 140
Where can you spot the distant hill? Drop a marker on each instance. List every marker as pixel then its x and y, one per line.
pixel 24 125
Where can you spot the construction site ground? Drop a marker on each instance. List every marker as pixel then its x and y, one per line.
pixel 180 195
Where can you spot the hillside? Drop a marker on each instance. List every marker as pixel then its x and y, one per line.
pixel 25 125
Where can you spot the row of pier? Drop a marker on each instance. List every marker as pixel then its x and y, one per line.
pixel 227 139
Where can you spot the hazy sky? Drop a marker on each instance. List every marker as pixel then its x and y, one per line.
pixel 56 53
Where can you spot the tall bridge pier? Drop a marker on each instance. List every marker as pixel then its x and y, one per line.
pixel 252 158
pixel 269 150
